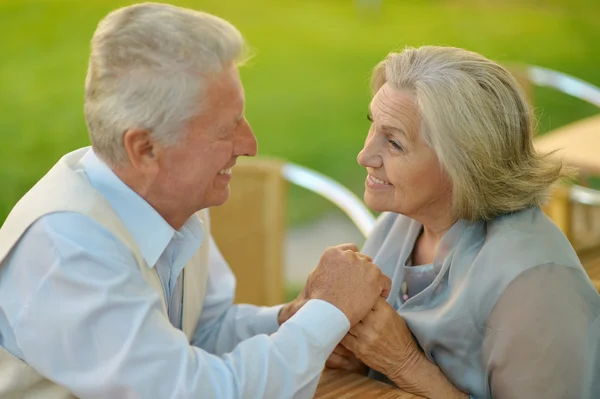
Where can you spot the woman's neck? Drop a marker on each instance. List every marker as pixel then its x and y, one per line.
pixel 435 233
pixel 437 218
pixel 427 242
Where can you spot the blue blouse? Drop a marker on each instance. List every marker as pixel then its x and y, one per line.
pixel 506 309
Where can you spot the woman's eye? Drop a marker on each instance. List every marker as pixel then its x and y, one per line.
pixel 395 145
pixel 369 118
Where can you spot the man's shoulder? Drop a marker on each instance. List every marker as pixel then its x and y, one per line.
pixel 73 231
pixel 65 223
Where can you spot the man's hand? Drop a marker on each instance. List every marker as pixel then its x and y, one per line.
pixel 290 309
pixel 348 280
pixel 345 278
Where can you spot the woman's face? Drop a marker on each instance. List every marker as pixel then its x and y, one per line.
pixel 404 175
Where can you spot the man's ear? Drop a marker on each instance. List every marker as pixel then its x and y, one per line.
pixel 141 149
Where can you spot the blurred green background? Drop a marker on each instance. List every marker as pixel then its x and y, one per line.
pixel 307 87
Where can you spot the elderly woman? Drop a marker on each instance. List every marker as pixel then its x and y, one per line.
pixel 489 298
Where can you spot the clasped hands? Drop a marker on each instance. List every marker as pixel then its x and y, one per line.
pixel 378 337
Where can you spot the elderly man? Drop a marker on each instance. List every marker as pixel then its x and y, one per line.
pixel 110 284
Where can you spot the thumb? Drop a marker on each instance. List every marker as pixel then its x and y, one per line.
pixel 386 285
pixel 348 247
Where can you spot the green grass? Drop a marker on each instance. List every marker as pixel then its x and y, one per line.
pixel 307 87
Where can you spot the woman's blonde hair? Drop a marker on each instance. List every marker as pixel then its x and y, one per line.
pixel 477 120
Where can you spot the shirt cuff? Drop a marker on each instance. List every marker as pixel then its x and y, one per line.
pixel 325 324
pixel 266 320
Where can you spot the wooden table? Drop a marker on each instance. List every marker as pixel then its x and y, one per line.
pixel 338 384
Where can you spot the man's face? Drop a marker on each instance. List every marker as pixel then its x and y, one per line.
pixel 197 170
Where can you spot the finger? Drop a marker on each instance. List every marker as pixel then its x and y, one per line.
pixel 357 366
pixel 348 247
pixel 336 361
pixel 341 351
pixel 369 320
pixel 380 304
pixel 357 329
pixel 351 343
pixel 365 257
pixel 376 314
pixel 386 285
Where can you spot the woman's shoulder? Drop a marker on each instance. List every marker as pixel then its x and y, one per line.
pixel 513 245
pixel 530 236
pixel 519 241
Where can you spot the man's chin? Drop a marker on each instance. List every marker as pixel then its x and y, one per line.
pixel 220 199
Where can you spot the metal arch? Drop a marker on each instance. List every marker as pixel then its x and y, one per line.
pixel 328 188
pixel 579 89
pixel 564 83
pixel 584 195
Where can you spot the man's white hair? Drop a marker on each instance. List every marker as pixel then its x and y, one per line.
pixel 149 64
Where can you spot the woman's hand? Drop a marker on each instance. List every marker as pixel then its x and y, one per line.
pixel 342 358
pixel 383 341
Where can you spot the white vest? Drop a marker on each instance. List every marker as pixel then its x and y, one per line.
pixel 66 187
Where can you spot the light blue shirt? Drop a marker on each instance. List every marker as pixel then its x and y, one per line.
pixel 74 306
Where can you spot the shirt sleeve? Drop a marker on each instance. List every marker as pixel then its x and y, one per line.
pixel 87 320
pixel 223 325
pixel 542 337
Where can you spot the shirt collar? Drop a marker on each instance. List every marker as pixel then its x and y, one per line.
pixel 149 230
